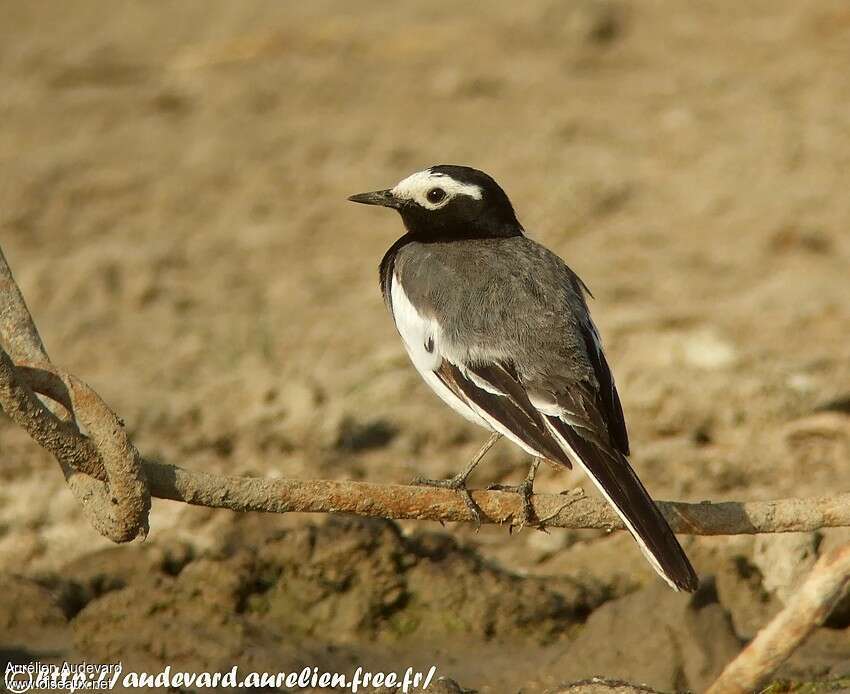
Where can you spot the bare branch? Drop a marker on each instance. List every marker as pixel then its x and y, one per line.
pixel 114 484
pixel 17 328
pixel 103 470
pixel 806 610
pixel 118 508
pixel 426 503
pixel 115 499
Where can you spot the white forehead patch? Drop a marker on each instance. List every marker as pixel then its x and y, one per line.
pixel 416 186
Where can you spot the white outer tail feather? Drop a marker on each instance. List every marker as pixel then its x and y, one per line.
pixel 646 551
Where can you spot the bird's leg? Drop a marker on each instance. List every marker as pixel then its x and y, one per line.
pixel 525 489
pixel 458 482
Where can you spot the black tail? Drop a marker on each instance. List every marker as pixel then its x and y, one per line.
pixel 614 477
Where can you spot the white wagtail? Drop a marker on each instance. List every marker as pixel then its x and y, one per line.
pixel 498 326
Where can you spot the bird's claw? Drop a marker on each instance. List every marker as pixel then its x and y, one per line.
pixel 527 516
pixel 457 484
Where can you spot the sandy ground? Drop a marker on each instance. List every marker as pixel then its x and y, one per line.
pixel 172 201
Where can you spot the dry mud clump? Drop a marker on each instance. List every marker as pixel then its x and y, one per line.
pixel 358 592
pixel 335 584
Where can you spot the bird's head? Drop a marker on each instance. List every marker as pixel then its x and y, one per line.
pixel 445 202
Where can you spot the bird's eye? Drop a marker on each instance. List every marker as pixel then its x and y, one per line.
pixel 436 195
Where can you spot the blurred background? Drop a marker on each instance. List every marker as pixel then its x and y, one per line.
pixel 172 202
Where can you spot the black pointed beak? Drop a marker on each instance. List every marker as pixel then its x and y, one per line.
pixel 384 198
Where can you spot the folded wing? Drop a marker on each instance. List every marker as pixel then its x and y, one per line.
pixel 572 430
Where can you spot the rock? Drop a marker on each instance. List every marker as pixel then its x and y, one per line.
pixel 655 636
pixel 598 685
pixel 784 560
pixel 442 685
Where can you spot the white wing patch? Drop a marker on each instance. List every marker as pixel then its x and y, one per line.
pixel 425 344
pixel 416 186
pixel 422 337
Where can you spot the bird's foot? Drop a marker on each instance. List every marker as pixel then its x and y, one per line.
pixel 457 484
pixel 527 515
